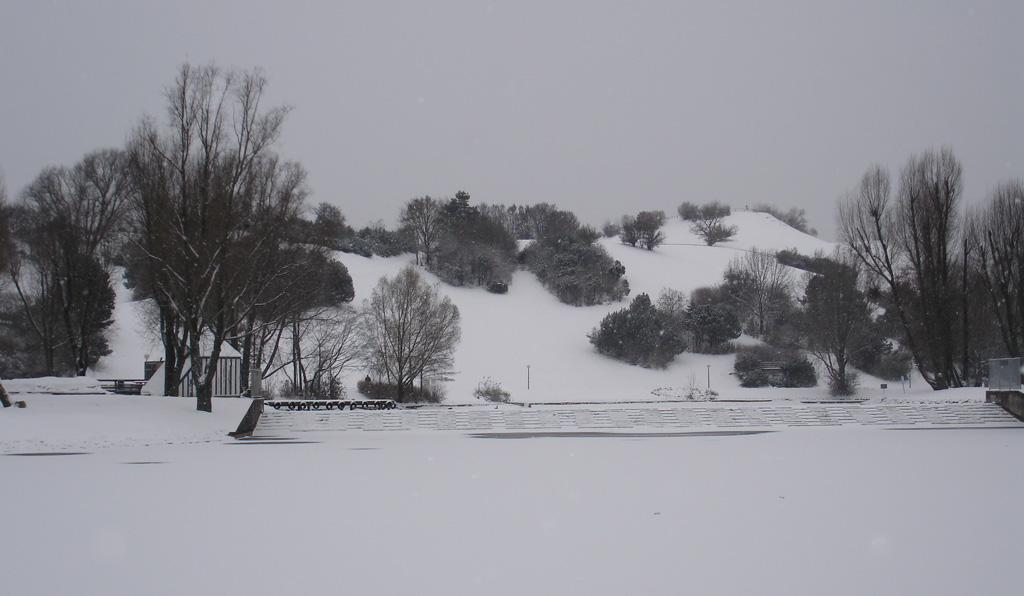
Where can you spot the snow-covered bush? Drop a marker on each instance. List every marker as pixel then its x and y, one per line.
pixel 638 335
pixel 761 366
pixel 491 390
pixel 472 249
pixel 571 266
pixel 711 321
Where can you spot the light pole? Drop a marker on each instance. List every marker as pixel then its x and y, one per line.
pixel 527 376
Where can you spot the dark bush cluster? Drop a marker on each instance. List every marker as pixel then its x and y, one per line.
pixel 566 259
pixel 19 346
pixel 375 240
pixel 523 222
pixel 330 229
pixel 384 390
pixel 712 326
pixel 472 248
pixel 329 387
pixel 710 319
pixel 694 212
pixel 816 264
pixel 639 335
pixel 878 356
pixel 762 366
pixel 707 221
pixel 643 230
pixel 610 229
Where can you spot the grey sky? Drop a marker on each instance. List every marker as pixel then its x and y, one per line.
pixel 600 107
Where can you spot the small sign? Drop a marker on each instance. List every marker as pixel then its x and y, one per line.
pixel 885 385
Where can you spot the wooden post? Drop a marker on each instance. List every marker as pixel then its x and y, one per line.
pixel 4 399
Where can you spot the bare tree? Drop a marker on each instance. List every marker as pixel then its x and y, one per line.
pixel 70 221
pixel 644 229
pixel 421 218
pixel 913 247
pixel 287 306
pixel 834 321
pixel 213 203
pixel 5 226
pixel 330 340
pixel 713 230
pixel 5 251
pixel 329 226
pixel 411 331
pixel 998 231
pixel 929 195
pixel 760 286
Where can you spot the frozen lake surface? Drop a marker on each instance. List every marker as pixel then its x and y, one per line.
pixel 919 507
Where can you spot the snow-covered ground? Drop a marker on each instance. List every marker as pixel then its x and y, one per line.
pixel 105 494
pixel 151 497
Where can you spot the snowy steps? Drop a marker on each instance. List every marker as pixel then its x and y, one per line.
pixel 541 418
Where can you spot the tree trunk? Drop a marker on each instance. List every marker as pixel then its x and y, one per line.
pixel 203 382
pixel 204 398
pixel 298 376
pixel 203 390
pixel 247 348
pixel 4 399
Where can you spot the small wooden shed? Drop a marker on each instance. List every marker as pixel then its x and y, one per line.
pixel 227 382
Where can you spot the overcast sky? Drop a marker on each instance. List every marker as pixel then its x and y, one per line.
pixel 599 107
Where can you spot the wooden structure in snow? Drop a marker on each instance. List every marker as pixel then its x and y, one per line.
pixel 227 382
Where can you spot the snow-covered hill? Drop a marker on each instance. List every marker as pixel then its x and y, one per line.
pixel 502 335
pixel 528 336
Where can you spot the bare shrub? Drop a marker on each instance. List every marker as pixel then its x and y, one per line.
pixel 491 390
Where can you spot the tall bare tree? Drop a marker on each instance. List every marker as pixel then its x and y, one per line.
pixel 998 231
pixel 213 202
pixel 5 255
pixel 70 223
pixel 421 219
pixel 834 321
pixel 913 247
pixel 6 246
pixel 324 343
pixel 411 331
pixel 288 304
pixel 761 287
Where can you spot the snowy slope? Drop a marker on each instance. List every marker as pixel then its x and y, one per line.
pixel 132 339
pixel 502 335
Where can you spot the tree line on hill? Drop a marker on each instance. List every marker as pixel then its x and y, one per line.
pixel 831 320
pixel 919 281
pixel 210 224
